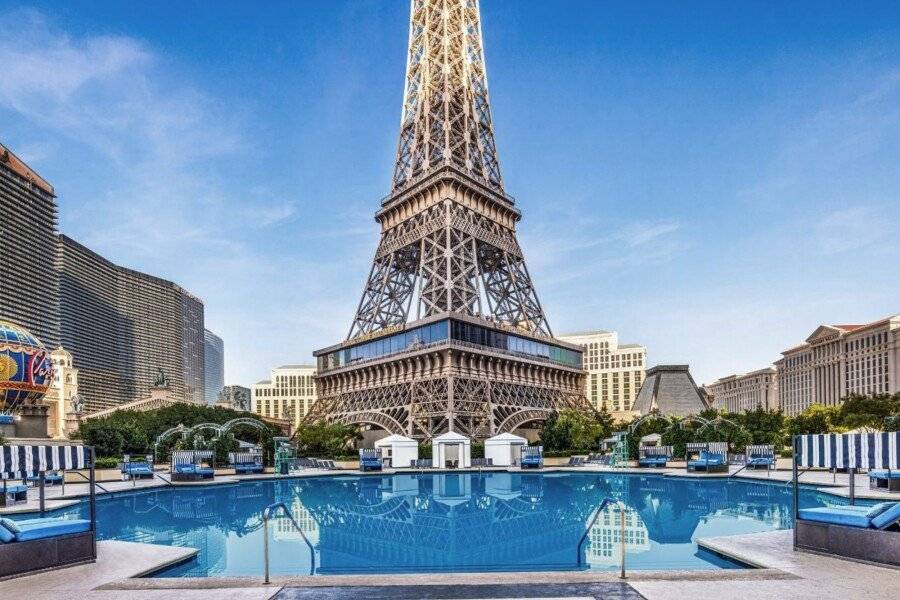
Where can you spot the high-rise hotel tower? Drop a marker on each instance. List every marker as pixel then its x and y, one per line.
pixel 28 289
pixel 449 334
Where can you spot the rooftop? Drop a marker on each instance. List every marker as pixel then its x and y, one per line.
pixel 17 166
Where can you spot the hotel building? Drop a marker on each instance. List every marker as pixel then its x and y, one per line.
pixel 124 328
pixel 615 371
pixel 287 395
pixel 839 360
pixel 737 393
pixel 28 214
pixel 213 366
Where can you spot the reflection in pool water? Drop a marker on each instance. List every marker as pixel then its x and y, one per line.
pixel 449 522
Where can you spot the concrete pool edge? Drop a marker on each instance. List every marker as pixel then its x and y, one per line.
pixel 507 577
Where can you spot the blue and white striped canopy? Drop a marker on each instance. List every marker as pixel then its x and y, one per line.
pixel 244 458
pixel 189 457
pixel 760 450
pixel 19 461
pixel 850 450
pixel 667 451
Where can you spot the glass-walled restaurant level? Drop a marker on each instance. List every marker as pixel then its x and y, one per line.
pixel 449 330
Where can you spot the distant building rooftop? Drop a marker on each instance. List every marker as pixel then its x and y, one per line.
pixel 18 166
pixel 584 333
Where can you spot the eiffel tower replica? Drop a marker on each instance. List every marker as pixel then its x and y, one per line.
pixel 449 334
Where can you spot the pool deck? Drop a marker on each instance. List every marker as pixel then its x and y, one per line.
pixel 783 573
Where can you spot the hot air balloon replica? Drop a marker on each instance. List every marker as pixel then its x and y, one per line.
pixel 25 375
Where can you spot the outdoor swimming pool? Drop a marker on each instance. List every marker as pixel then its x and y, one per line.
pixel 492 521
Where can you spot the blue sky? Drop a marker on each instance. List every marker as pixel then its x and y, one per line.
pixel 709 179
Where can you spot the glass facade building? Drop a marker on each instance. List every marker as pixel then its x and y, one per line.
pixel 450 330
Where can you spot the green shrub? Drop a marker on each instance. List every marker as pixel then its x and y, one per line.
pixel 107 462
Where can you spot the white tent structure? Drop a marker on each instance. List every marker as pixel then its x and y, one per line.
pixel 504 449
pixel 400 449
pixel 451 450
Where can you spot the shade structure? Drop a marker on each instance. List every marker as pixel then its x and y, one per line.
pixel 505 449
pixel 452 450
pixel 651 439
pixel 400 449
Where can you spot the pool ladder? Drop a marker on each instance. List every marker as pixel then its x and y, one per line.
pixel 622 508
pixel 267 514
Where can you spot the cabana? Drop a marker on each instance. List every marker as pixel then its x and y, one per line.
pixel 136 469
pixel 29 545
pixel 370 459
pixel 870 533
pixel 192 465
pixel 399 450
pixel 452 450
pixel 246 462
pixel 505 449
pixel 654 456
pixel 711 456
pixel 760 456
pixel 532 457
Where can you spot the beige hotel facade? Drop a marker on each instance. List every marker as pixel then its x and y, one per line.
pixel 737 393
pixel 615 371
pixel 288 394
pixel 838 360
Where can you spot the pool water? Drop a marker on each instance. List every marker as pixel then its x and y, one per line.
pixel 494 521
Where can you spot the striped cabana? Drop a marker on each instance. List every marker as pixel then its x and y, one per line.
pixel 848 450
pixel 666 451
pixel 21 461
pixel 244 458
pixel 760 450
pixel 191 457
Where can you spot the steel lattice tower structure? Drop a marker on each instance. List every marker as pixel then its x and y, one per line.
pixel 449 333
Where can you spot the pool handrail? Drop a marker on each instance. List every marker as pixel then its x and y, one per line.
pixel 267 514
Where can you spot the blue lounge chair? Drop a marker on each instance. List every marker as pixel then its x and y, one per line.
pixel 884 479
pixel 50 478
pixel 188 465
pixel 880 516
pixel 12 494
pixel 709 462
pixel 136 470
pixel 38 529
pixel 654 456
pixel 245 463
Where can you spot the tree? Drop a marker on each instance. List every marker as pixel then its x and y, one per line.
pixel 139 430
pixel 574 431
pixel 326 440
pixel 107 441
pixel 764 426
pixel 858 410
pixel 817 418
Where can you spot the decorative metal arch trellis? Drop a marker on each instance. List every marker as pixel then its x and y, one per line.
pixel 219 429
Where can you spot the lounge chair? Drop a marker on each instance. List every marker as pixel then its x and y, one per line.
pixel 188 465
pixel 761 456
pixel 136 470
pixel 50 478
pixel 708 461
pixel 884 479
pixel 38 529
pixel 329 464
pixel 575 461
pixel 654 456
pixel 12 494
pixel 246 463
pixel 861 532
